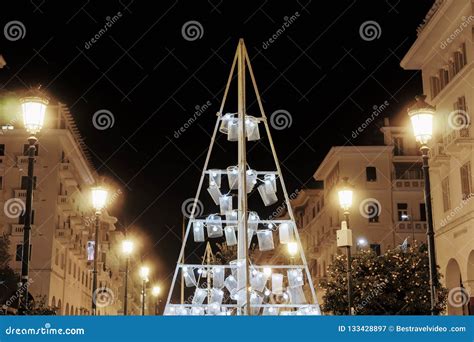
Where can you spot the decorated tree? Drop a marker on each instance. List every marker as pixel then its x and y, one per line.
pixel 395 283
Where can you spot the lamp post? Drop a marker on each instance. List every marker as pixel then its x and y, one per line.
pixel 34 110
pixel 155 291
pixel 127 249
pixel 144 272
pixel 344 235
pixel 99 198
pixel 421 115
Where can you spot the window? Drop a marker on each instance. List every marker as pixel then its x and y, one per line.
pixel 2 149
pixel 1 182
pixel 446 194
pixel 376 248
pixel 19 252
pixel 435 86
pixel 27 146
pixel 373 212
pixel 371 173
pixel 398 146
pixel 402 210
pixel 466 182
pixel 422 212
pixel 24 182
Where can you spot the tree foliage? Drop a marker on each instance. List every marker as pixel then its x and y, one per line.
pixel 395 283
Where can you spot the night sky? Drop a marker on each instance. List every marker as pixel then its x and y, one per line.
pixel 151 78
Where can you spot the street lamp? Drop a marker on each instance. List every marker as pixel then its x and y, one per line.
pixel 421 116
pixel 127 249
pixel 144 273
pixel 155 291
pixel 99 199
pixel 344 235
pixel 34 109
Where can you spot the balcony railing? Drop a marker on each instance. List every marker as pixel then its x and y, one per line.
pixel 21 194
pixel 420 226
pixel 408 183
pixel 457 138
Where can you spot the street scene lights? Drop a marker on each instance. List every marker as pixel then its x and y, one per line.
pixel 421 116
pixel 344 235
pixel 127 249
pixel 155 292
pixel 99 199
pixel 34 109
pixel 144 273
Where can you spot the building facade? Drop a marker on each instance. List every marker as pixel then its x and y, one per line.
pixel 444 52
pixel 388 204
pixel 62 219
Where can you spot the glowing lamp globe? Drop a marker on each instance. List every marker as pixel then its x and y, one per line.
pixel 144 272
pixel 127 247
pixel 99 198
pixel 421 116
pixel 345 195
pixel 34 110
pixel 292 248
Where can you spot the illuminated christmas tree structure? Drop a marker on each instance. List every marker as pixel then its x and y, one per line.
pixel 241 286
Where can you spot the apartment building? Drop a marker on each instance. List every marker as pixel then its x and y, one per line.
pixel 62 218
pixel 444 52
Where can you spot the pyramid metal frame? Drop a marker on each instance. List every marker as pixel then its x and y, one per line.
pixel 243 306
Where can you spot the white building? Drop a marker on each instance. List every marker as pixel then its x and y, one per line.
pixel 62 221
pixel 444 52
pixel 388 205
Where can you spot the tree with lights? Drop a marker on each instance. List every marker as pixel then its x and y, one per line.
pixel 395 283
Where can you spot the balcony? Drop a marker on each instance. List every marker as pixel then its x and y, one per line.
pixel 63 203
pixel 17 229
pixel 64 235
pixel 21 194
pixel 456 140
pixel 410 226
pixel 23 160
pixel 408 184
pixel 65 170
pixel 438 155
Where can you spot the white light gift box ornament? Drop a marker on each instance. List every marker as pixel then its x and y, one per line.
pixel 236 265
pixel 189 277
pixel 230 237
pixel 218 276
pixel 215 177
pixel 255 301
pixel 251 128
pixel 270 311
pixel 285 231
pixel 197 311
pixel 270 182
pixel 296 295
pixel 232 217
pixel 214 309
pixel 251 179
pixel 233 177
pixel 224 127
pixel 252 221
pixel 295 277
pixel 233 129
pixel 217 295
pixel 215 193
pixel 265 240
pixel 268 198
pixel 214 226
pixel 277 283
pixel 225 202
pixel 258 281
pixel 230 284
pixel 198 231
pixel 199 296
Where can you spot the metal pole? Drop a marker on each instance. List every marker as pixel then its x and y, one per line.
pixel 349 270
pixel 183 260
pixel 430 230
pixel 143 296
pixel 242 246
pixel 125 296
pixel 25 257
pixel 96 257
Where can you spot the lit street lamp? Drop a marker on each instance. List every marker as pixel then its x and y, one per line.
pixel 155 291
pixel 127 249
pixel 344 235
pixel 421 115
pixel 144 273
pixel 99 199
pixel 34 110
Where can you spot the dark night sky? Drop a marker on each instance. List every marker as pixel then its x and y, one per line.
pixel 143 71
